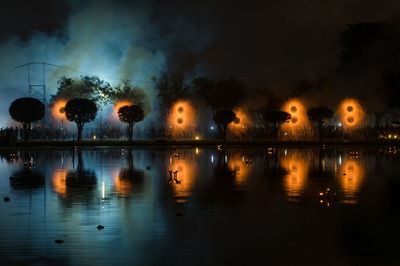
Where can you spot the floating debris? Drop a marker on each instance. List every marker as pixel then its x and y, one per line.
pixel 59 241
pixel 6 199
pixel 100 227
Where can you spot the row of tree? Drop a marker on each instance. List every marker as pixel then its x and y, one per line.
pixel 79 110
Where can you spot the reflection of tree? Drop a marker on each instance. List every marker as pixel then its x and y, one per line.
pixel 129 178
pixel 28 177
pixel 225 177
pixel 81 177
pixel 80 184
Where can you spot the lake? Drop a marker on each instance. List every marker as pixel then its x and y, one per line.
pixel 200 206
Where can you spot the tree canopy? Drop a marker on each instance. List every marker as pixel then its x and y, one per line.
pixel 130 115
pixel 224 118
pixel 27 110
pixel 80 111
pixel 275 119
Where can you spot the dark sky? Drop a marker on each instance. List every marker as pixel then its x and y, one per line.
pixel 273 39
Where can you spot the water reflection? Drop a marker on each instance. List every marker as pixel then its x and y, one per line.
pixel 29 176
pixel 351 176
pixel 129 179
pixel 296 163
pixel 182 168
pixel 219 197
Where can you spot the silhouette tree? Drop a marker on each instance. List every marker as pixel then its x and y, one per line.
pixel 125 90
pixel 130 115
pixel 219 94
pixel 80 111
pixel 90 87
pixel 319 114
pixel 223 118
pixel 27 110
pixel 275 119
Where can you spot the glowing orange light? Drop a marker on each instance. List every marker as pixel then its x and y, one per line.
pixel 351 177
pixel 122 187
pixel 241 123
pixel 299 125
pixel 186 166
pixel 296 165
pixel 351 114
pixel 58 110
pixel 182 119
pixel 58 181
pixel 117 106
pixel 236 162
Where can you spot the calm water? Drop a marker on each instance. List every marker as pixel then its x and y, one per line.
pixel 234 207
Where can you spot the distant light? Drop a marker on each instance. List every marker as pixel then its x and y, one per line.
pixel 390 136
pixel 94 137
pixel 285 134
pixel 226 158
pixel 197 150
pixel 212 128
pixel 395 136
pixel 285 152
pixel 212 159
pixel 339 124
pixel 197 137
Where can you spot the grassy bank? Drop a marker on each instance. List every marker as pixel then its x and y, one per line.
pixel 194 143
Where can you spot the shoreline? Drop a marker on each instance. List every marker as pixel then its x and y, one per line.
pixel 196 143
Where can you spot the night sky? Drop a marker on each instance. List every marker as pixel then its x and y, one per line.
pixel 269 43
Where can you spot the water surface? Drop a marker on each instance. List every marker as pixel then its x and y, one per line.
pixel 196 206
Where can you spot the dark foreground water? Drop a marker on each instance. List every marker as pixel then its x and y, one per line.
pixel 234 207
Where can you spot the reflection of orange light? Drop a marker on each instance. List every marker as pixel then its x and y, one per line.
pixel 237 164
pixel 351 177
pixel 297 167
pixel 186 168
pixel 118 105
pixel 298 126
pixel 181 119
pixel 241 123
pixel 122 187
pixel 58 109
pixel 59 182
pixel 351 113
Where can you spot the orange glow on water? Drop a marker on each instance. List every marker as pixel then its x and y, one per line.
pixel 121 186
pixel 297 167
pixel 237 163
pixel 241 124
pixel 351 114
pixel 182 120
pixel 298 125
pixel 186 166
pixel 58 181
pixel 118 105
pixel 351 178
pixel 58 109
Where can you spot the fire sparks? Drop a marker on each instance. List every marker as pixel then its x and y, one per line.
pixel 241 124
pixel 58 109
pixel 182 119
pixel 298 125
pixel 351 114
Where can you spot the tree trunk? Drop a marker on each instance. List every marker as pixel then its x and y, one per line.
pixel 130 131
pixel 80 129
pixel 320 129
